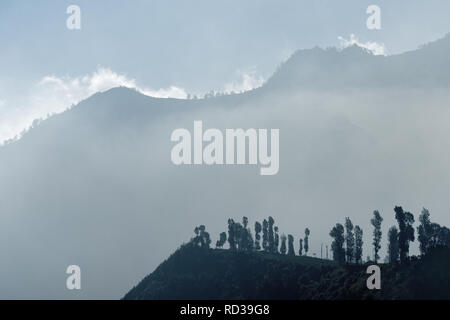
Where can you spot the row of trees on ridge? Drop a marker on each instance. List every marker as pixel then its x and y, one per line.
pixel 347 245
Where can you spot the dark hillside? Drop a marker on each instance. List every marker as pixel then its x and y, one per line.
pixel 194 273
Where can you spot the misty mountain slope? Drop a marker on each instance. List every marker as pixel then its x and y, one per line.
pixel 354 67
pixel 95 186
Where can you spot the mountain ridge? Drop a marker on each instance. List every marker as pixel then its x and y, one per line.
pixel 312 67
pixel 301 71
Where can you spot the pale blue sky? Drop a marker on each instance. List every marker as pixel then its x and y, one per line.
pixel 196 45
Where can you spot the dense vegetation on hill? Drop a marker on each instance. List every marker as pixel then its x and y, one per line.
pixel 201 273
pixel 267 267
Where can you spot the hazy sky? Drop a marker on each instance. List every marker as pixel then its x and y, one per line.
pixel 353 152
pixel 198 44
pixel 194 46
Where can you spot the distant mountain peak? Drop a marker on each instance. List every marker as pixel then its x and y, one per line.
pixel 357 67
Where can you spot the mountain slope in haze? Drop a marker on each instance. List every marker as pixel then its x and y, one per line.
pixel 95 186
pixel 356 67
pixel 195 273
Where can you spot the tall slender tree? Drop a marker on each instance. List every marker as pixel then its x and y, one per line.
pixel 393 249
pixel 283 244
pixel 231 234
pixel 249 243
pixel 244 236
pixel 265 242
pixel 425 231
pixel 291 251
pixel 306 241
pixel 271 235
pixel 258 229
pixel 376 222
pixel 300 247
pixel 277 239
pixel 349 240
pixel 239 236
pixel 358 244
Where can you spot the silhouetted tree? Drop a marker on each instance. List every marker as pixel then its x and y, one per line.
pixel 443 236
pixel 246 243
pixel 265 243
pixel 249 242
pixel 306 241
pixel 431 234
pixel 231 234
pixel 358 244
pixel 271 235
pixel 425 231
pixel 435 235
pixel 206 240
pixel 202 238
pixel 258 229
pixel 291 251
pixel 337 233
pixel 277 239
pixel 243 240
pixel 238 235
pixel 300 247
pixel 406 232
pixel 349 240
pixel 222 239
pixel 245 222
pixel 202 230
pixel 376 222
pixel 283 244
pixel 393 249
pixel 196 240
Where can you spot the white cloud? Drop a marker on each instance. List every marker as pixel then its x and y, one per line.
pixel 171 92
pixel 73 90
pixel 247 81
pixel 54 94
pixel 373 47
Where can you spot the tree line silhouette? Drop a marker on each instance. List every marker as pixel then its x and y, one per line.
pixel 240 238
pixel 347 245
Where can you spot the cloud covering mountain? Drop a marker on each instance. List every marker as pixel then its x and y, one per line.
pixel 94 185
pixel 53 95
